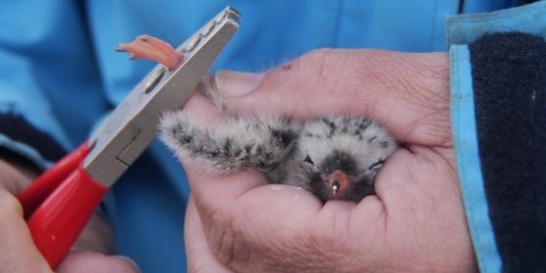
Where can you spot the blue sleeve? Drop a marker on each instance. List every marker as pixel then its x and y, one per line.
pixel 498 98
pixel 45 61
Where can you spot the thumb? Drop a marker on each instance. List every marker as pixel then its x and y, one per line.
pixel 17 250
pixel 407 92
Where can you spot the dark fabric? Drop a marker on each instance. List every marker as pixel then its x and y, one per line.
pixel 509 80
pixel 525 2
pixel 18 128
pixel 519 2
pixel 19 160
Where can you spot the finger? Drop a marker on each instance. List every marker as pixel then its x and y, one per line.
pixel 96 236
pixel 92 262
pixel 231 207
pixel 213 193
pixel 407 92
pixel 18 252
pixel 420 195
pixel 200 257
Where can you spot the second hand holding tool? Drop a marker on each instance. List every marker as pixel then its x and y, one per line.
pixel 60 202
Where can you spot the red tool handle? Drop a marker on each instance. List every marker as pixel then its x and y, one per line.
pixel 56 224
pixel 32 197
pixel 59 203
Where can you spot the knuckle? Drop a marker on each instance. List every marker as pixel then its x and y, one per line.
pixel 306 64
pixel 9 205
pixel 317 56
pixel 226 240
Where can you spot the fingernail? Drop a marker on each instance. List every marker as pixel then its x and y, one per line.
pixel 235 84
pixel 129 261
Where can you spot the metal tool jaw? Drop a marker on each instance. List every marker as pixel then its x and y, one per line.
pixel 130 128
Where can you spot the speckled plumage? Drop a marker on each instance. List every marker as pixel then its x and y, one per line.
pixel 332 157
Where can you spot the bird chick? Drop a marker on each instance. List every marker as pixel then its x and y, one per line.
pixel 339 157
pixel 333 157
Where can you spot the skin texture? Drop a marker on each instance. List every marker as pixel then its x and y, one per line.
pixel 18 254
pixel 414 223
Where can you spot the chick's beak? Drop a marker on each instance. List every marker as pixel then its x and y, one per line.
pixel 337 183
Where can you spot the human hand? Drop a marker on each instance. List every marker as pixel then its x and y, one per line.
pixel 414 223
pixel 18 252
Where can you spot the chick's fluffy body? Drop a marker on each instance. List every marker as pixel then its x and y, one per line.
pixel 287 151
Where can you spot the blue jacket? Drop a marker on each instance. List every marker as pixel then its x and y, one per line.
pixel 59 76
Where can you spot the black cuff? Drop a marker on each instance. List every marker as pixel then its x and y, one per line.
pixel 525 2
pixel 18 128
pixel 509 80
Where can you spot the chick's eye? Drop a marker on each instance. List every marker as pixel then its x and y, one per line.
pixel 308 160
pixel 375 166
